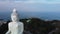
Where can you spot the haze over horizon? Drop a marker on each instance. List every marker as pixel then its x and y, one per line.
pixel 34 6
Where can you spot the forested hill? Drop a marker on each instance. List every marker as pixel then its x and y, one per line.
pixel 35 26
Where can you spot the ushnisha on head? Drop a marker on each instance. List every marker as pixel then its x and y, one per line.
pixel 14 16
pixel 14 10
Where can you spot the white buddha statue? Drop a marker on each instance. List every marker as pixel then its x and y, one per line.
pixel 15 27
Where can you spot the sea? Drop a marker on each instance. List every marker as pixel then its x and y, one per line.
pixel 24 14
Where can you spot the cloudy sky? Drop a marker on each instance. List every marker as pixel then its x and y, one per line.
pixel 30 5
pixel 29 0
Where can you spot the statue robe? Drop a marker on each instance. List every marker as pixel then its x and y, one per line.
pixel 15 28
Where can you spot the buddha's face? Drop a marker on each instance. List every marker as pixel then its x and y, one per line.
pixel 14 18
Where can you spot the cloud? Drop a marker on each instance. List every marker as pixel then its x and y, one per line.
pixel 31 0
pixel 12 0
pixel 35 1
pixel 28 6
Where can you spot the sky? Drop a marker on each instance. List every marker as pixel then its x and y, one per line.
pixel 29 0
pixel 30 5
pixel 37 6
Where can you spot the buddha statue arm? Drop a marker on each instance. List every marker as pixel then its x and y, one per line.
pixel 22 28
pixel 8 32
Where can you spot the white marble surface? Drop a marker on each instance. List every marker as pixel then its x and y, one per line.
pixel 15 27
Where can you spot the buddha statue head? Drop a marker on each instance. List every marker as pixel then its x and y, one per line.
pixel 14 16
